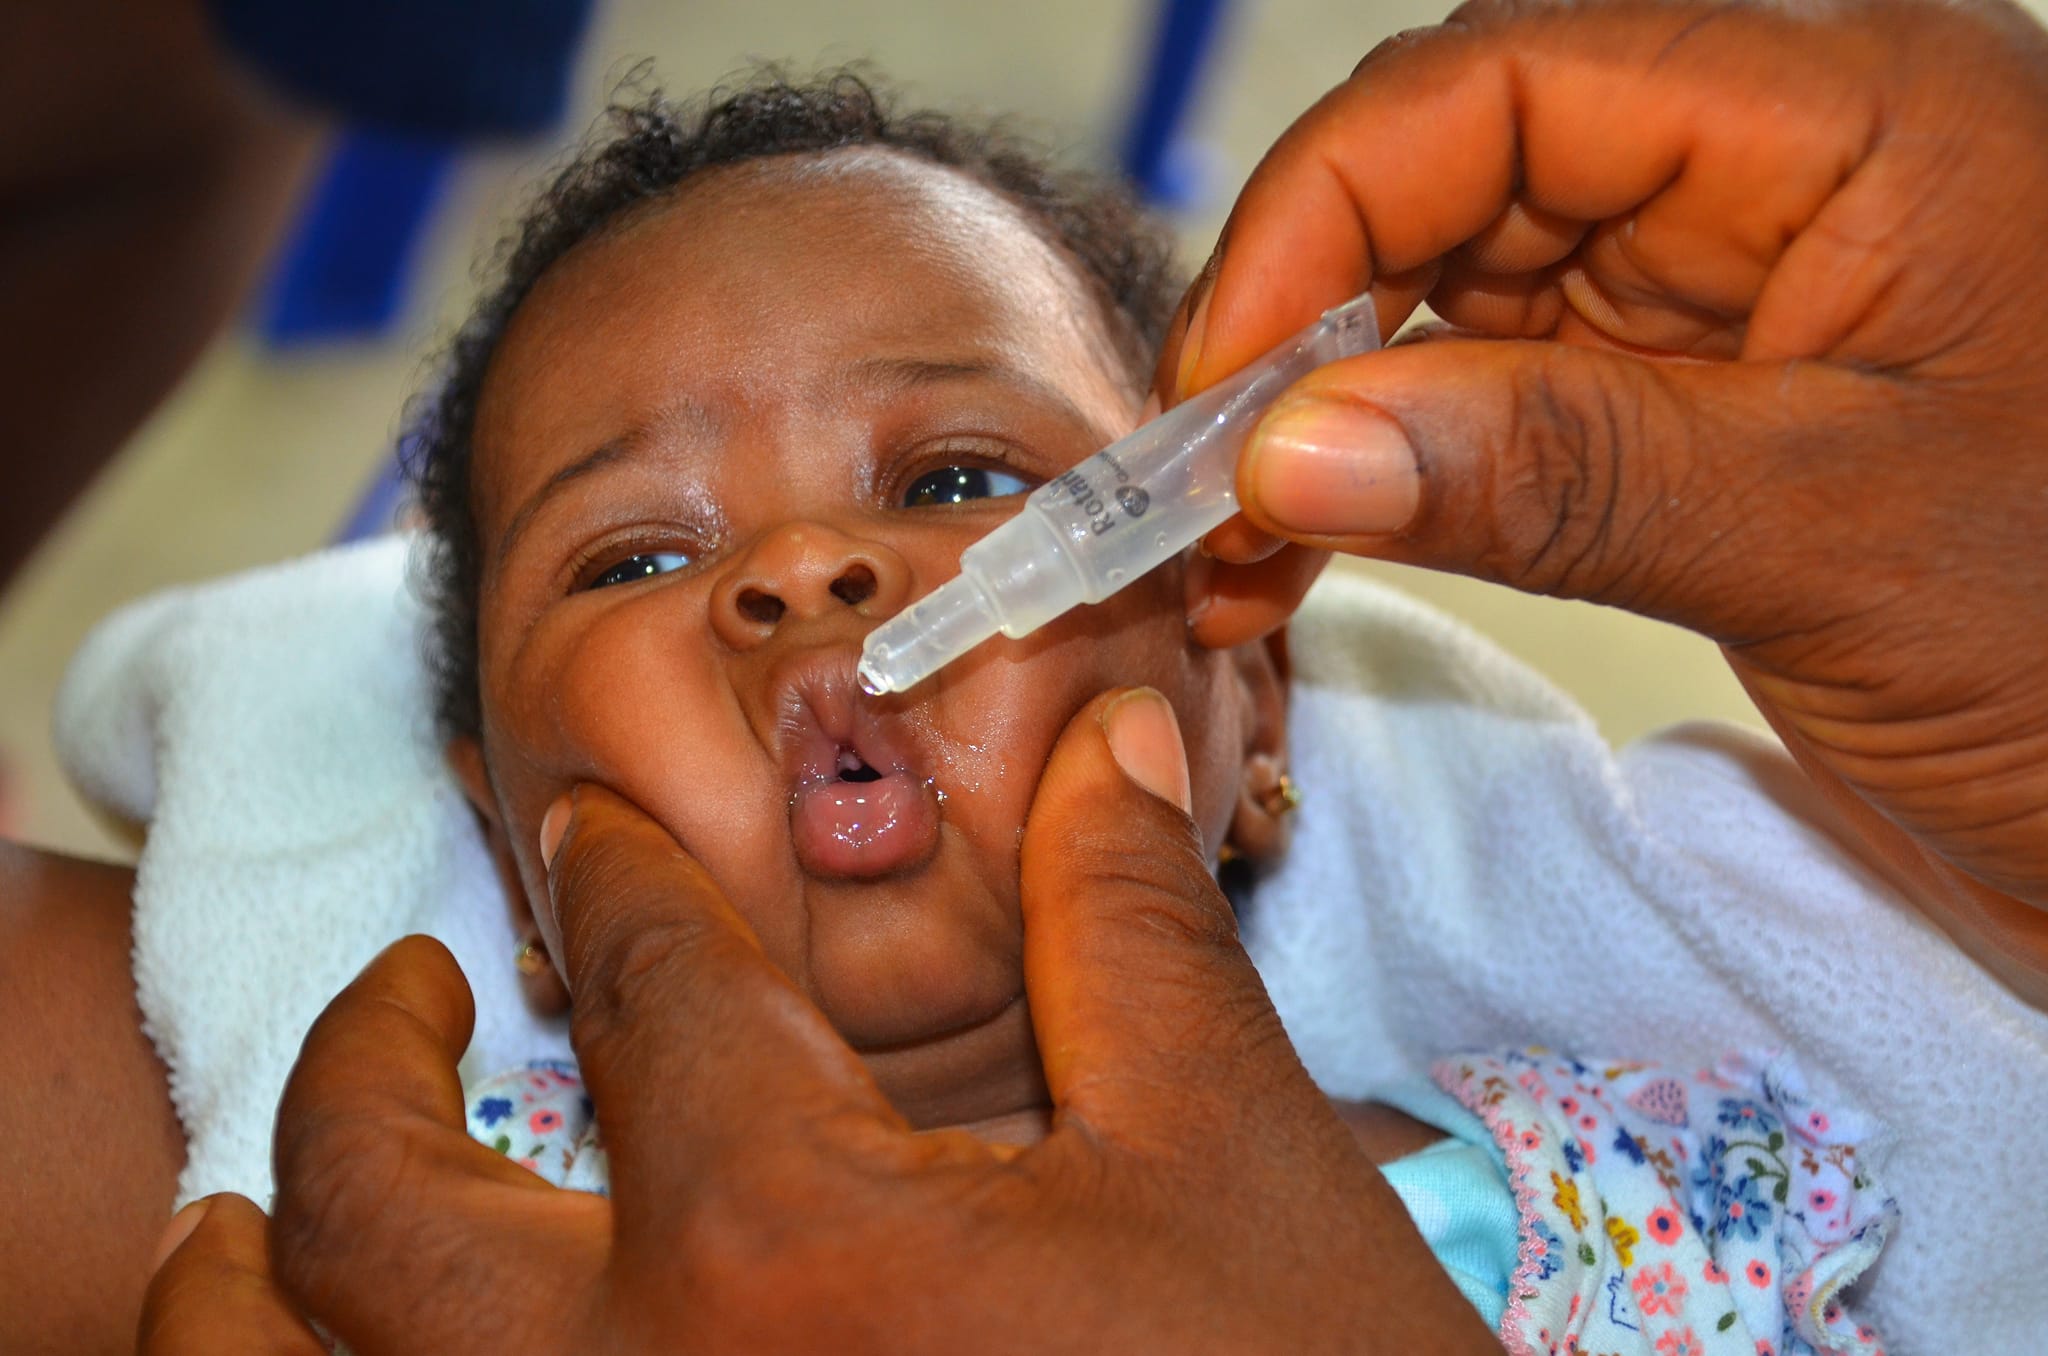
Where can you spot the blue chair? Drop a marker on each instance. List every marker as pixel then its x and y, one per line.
pixel 345 273
pixel 1156 153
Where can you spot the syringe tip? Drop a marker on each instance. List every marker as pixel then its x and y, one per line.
pixel 918 641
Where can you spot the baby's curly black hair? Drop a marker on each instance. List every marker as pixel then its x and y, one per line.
pixel 642 151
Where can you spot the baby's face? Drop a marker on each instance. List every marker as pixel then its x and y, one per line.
pixel 720 444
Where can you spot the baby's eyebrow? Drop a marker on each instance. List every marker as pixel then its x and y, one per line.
pixel 898 374
pixel 582 466
pixel 681 416
pixel 891 374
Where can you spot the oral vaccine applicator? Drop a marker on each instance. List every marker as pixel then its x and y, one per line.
pixel 1082 536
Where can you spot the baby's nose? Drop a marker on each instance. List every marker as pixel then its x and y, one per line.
pixel 806 571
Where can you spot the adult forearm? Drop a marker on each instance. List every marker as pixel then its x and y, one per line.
pixel 143 182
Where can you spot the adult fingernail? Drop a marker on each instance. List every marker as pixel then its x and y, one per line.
pixel 1333 468
pixel 553 825
pixel 177 1231
pixel 1144 738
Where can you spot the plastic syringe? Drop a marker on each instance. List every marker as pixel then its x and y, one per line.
pixel 1082 536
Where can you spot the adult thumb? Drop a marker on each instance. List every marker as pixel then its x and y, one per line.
pixel 1701 493
pixel 213 1290
pixel 1137 981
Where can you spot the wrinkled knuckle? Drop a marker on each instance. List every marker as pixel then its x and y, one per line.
pixel 332 1185
pixel 638 969
pixel 1185 915
pixel 1251 1025
pixel 595 866
pixel 1168 892
pixel 1240 1019
pixel 1153 841
pixel 1561 496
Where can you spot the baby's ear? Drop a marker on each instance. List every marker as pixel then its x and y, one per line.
pixel 465 758
pixel 1229 605
pixel 546 993
pixel 1258 827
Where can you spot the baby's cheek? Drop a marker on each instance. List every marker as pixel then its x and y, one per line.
pixel 627 662
pixel 1138 637
pixel 630 702
pixel 1157 649
pixel 1002 715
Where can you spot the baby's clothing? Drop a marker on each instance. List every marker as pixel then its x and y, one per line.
pixel 1580 1207
pixel 1472 867
pixel 540 1118
pixel 1722 1211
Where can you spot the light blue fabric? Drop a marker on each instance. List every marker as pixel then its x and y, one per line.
pixel 1456 1191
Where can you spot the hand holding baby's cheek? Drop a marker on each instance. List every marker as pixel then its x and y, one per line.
pixel 1183 1110
pixel 1196 1193
pixel 698 1052
pixel 757 1170
pixel 384 1202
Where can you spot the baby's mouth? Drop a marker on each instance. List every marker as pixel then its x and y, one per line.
pixel 853 769
pixel 860 805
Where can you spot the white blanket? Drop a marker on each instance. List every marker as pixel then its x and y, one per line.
pixel 275 732
pixel 1471 867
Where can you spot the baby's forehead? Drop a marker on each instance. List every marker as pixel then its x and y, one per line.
pixel 863 234
pixel 749 278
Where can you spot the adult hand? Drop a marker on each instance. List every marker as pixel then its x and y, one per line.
pixel 1750 307
pixel 1196 1192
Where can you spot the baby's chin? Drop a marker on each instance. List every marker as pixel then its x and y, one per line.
pixel 934 1005
pixel 900 973
pixel 985 1079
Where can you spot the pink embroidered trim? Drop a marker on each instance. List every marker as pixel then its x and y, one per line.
pixel 1515 1320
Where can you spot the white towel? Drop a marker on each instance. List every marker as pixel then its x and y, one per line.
pixel 275 732
pixel 1471 867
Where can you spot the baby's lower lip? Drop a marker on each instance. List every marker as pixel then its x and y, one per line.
pixel 859 829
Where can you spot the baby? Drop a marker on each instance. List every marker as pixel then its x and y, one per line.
pixel 753 380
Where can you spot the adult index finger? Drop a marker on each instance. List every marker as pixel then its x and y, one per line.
pixel 1513 131
pixel 702 1058
pixel 386 1210
pixel 213 1291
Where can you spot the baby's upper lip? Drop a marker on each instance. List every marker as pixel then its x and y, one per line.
pixel 826 726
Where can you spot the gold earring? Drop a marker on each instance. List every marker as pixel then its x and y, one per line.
pixel 1281 798
pixel 531 958
pixel 1227 854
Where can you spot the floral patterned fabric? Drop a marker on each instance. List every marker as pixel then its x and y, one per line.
pixel 540 1117
pixel 1655 1214
pixel 1701 1215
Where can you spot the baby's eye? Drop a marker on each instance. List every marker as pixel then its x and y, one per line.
pixel 958 484
pixel 642 566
